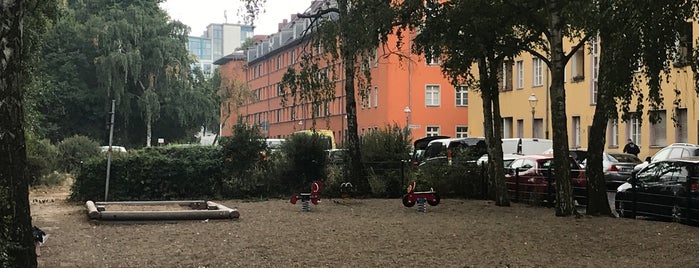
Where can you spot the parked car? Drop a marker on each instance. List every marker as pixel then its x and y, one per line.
pixel 580 155
pixel 506 159
pixel 665 189
pixel 119 149
pixel 529 176
pixel 672 151
pixel 419 146
pixel 448 151
pixel 617 168
pixel 337 156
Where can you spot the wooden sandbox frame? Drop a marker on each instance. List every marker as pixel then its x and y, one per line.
pixel 199 210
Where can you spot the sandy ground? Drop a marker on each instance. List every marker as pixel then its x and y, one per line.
pixel 361 233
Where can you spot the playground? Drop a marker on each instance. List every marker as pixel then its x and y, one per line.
pixel 360 233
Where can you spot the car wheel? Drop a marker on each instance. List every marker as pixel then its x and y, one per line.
pixel 622 210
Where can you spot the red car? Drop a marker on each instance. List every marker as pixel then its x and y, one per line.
pixel 527 179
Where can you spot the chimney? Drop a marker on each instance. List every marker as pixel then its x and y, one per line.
pixel 281 25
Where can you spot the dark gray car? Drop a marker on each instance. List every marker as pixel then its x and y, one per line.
pixel 617 168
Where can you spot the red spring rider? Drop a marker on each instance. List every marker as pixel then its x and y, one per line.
pixel 411 197
pixel 313 196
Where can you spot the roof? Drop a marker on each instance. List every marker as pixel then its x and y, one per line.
pixel 238 55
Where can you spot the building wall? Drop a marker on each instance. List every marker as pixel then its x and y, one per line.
pixel 396 84
pixel 580 106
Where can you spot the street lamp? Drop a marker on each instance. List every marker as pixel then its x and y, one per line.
pixel 407 116
pixel 532 103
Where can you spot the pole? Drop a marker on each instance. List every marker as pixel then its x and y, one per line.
pixel 533 125
pixel 109 152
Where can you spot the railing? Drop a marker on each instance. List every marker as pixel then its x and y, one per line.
pixel 678 206
pixel 539 189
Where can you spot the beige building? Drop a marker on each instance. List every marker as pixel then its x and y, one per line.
pixel 527 77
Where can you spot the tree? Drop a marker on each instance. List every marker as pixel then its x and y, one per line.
pixel 555 20
pixel 629 32
pixel 125 50
pixel 21 27
pixel 471 38
pixel 345 35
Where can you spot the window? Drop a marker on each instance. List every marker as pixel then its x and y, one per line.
pixel 279 62
pixel 576 131
pixel 280 89
pixel 326 107
pixel 506 74
pixel 577 68
pixel 376 96
pixel 520 74
pixel 368 97
pixel 595 70
pixel 279 115
pixel 461 131
pixel 431 57
pixel 520 128
pixel 538 128
pixel 613 131
pixel 658 133
pixel 432 131
pixel 683 45
pixel 634 129
pixel 293 112
pixel 432 95
pixel 537 70
pixel 506 127
pixel 461 96
pixel 292 57
pixel 680 123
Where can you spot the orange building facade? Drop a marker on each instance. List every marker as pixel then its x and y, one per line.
pixel 403 92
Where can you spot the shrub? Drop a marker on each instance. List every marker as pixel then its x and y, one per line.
pixel 307 161
pixel 153 173
pixel 384 154
pixel 41 159
pixel 75 150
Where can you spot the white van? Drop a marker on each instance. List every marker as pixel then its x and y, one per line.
pixel 463 149
pixel 274 144
pixel 526 146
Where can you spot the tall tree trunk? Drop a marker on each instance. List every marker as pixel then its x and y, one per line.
pixel 493 120
pixel 356 171
pixel 16 240
pixel 565 205
pixel 598 203
pixel 149 128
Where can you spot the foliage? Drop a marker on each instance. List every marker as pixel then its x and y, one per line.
pixel 154 173
pixel 42 159
pixel 127 51
pixel 307 160
pixel 384 154
pixel 245 159
pixel 73 151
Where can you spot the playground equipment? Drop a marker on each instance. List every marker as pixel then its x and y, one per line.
pixel 307 198
pixel 189 210
pixel 412 197
pixel 346 189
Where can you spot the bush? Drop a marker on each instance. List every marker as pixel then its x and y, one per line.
pixel 461 179
pixel 153 173
pixel 41 159
pixel 385 154
pixel 75 150
pixel 307 161
pixel 52 179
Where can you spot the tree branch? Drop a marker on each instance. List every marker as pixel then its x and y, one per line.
pixel 319 13
pixel 538 55
pixel 575 48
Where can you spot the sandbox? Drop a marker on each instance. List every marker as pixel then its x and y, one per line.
pixel 159 210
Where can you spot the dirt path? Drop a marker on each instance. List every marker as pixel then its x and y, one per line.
pixel 362 233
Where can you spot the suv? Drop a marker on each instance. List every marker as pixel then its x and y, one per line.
pixel 672 151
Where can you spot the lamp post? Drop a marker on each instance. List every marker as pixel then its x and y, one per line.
pixel 407 112
pixel 532 103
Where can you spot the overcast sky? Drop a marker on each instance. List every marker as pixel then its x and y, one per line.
pixel 197 14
